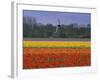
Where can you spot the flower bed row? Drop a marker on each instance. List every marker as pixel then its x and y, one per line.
pixel 57 44
pixel 34 58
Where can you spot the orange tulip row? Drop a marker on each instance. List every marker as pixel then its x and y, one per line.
pixel 34 58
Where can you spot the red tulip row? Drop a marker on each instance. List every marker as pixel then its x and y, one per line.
pixel 34 58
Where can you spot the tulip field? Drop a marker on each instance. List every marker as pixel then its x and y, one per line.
pixel 56 54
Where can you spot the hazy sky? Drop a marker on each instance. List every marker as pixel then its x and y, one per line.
pixel 51 17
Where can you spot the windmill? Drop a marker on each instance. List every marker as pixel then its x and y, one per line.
pixel 56 32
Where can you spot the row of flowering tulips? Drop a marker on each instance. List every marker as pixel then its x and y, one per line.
pixel 67 44
pixel 34 58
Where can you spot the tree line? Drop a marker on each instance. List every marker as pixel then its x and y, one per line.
pixel 32 29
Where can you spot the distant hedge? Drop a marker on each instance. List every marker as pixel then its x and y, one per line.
pixel 32 29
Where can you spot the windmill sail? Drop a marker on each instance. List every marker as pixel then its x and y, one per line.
pixel 59 23
pixel 57 27
pixel 55 34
